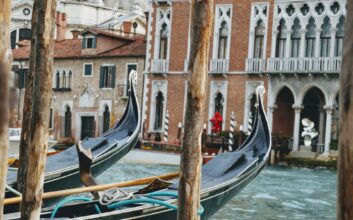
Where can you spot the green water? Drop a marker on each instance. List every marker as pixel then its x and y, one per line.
pixel 277 193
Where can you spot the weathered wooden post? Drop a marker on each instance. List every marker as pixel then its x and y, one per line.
pixel 345 159
pixel 41 97
pixel 191 160
pixel 27 106
pixel 5 67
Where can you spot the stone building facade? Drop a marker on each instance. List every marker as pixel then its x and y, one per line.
pixel 293 48
pixel 89 81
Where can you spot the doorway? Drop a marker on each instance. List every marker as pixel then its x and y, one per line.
pixel 87 126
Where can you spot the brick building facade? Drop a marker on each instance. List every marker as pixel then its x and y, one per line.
pixel 292 48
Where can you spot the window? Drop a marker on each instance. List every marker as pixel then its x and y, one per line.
pixel 130 67
pixel 339 37
pixel 281 39
pixel 62 80
pixel 87 69
pixel 310 38
pixel 13 39
pixel 57 78
pixel 107 77
pixel 259 39
pixel 22 78
pixel 51 119
pixel 106 119
pixel 325 38
pixel 219 103
pixel 158 120
pixel 163 44
pixel 223 40
pixel 67 122
pixel 295 38
pixel 19 35
pixel 89 42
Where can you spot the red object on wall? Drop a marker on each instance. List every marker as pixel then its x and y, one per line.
pixel 216 123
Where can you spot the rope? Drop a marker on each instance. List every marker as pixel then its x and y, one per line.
pixel 70 199
pixel 166 126
pixel 153 201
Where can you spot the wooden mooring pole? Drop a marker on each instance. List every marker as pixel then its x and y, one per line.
pixel 345 159
pixel 41 97
pixel 191 160
pixel 5 68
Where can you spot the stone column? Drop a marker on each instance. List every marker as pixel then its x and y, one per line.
pixel 302 43
pixel 274 43
pixel 288 42
pixel 329 110
pixel 297 109
pixel 321 126
pixel 317 42
pixel 271 109
pixel 333 42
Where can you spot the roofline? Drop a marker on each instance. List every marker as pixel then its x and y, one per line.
pixel 85 57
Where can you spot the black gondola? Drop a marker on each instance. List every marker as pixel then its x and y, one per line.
pixel 222 178
pixel 62 169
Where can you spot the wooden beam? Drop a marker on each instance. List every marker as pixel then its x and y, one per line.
pixel 41 97
pixel 191 159
pixel 345 157
pixel 97 188
pixel 5 68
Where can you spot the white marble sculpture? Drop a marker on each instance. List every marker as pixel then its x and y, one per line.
pixel 309 132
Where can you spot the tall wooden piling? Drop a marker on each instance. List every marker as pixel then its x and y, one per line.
pixel 41 97
pixel 345 160
pixel 191 160
pixel 5 68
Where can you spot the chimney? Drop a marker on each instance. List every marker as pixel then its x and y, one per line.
pixel 60 25
pixel 127 27
pixel 75 34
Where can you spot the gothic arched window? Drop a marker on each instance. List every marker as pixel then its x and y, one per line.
pixel 295 38
pixel 310 38
pixel 163 44
pixel 325 38
pixel 159 111
pixel 281 39
pixel 67 130
pixel 223 40
pixel 57 80
pixel 219 100
pixel 69 80
pixel 106 119
pixel 339 37
pixel 259 39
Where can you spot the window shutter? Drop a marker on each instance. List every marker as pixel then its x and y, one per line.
pixel 101 78
pixel 94 42
pixel 113 76
pixel 84 43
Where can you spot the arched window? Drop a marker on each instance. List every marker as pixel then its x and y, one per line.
pixel 69 80
pixel 325 38
pixel 219 100
pixel 106 119
pixel 339 37
pixel 223 40
pixel 57 80
pixel 259 39
pixel 64 80
pixel 281 39
pixel 295 38
pixel 159 111
pixel 67 130
pixel 163 44
pixel 310 38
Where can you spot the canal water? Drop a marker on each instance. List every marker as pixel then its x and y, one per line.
pixel 277 193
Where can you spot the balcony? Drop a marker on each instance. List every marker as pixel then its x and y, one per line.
pixel 255 65
pixel 160 66
pixel 219 66
pixel 305 65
